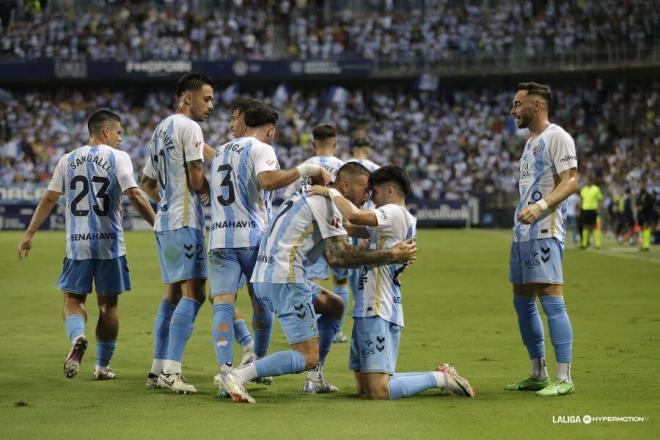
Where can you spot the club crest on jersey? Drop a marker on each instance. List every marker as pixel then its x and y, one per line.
pixel 335 222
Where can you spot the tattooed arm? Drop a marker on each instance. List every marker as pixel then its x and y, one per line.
pixel 339 253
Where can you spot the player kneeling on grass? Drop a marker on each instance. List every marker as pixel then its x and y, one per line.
pixel 378 310
pixel 92 178
pixel 304 227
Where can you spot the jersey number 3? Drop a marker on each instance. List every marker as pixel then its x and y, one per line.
pixel 226 183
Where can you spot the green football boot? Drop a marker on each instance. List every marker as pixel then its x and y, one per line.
pixel 557 387
pixel 529 384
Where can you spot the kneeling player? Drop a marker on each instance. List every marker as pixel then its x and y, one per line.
pixel 302 228
pixel 378 310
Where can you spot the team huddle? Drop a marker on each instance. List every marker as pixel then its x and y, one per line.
pixel 349 218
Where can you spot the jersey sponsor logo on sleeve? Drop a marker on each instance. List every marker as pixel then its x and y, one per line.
pixel 383 213
pixel 568 158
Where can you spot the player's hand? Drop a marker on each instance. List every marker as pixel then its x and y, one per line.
pixel 204 198
pixel 318 190
pixel 529 214
pixel 404 252
pixel 24 247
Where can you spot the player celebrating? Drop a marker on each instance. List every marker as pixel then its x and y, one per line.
pixel 262 320
pixel 93 178
pixel 302 228
pixel 548 175
pixel 174 176
pixel 244 172
pixel 361 149
pixel 378 309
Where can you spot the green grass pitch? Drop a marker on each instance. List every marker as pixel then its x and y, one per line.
pixel 458 309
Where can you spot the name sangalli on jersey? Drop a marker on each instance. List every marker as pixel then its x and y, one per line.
pixel 234 224
pixel 94 236
pixel 103 163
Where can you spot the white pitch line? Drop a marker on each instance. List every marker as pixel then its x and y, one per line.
pixel 625 256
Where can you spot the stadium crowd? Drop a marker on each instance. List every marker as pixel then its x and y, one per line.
pixel 452 144
pixel 444 30
pixel 139 32
pixel 427 31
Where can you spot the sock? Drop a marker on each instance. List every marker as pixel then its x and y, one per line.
pixel 538 368
pixel 327 331
pixel 262 323
pixel 406 386
pixel 75 326
pixel 531 327
pixel 246 373
pixel 646 238
pixel 561 333
pixel 342 291
pixel 585 237
pixel 598 237
pixel 222 330
pixel 316 374
pixel 161 334
pixel 242 334
pixel 279 363
pixel 104 352
pixel 181 327
pixel 564 371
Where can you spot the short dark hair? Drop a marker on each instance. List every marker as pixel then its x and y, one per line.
pixel 352 168
pixel 260 115
pixel 99 118
pixel 324 131
pixel 361 142
pixel 244 105
pixel 192 81
pixel 541 90
pixel 391 174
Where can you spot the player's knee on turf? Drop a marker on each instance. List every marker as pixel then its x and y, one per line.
pixel 376 391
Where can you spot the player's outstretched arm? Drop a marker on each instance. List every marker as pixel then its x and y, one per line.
pixel 272 180
pixel 568 184
pixel 348 210
pixel 150 187
pixel 44 209
pixel 208 152
pixel 339 253
pixel 141 205
pixel 355 230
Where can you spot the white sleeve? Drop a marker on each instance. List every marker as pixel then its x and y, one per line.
pixel 125 171
pixel 192 140
pixel 148 169
pixel 265 159
pixel 387 216
pixel 57 181
pixel 327 216
pixel 562 152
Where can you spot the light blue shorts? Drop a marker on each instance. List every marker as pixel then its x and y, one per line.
pixel 292 303
pixel 110 276
pixel 537 261
pixel 318 270
pixel 229 268
pixel 182 255
pixel 374 345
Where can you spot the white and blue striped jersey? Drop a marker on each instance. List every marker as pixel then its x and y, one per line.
pixel 379 289
pixel 371 166
pixel 176 141
pixel 544 158
pixel 239 208
pixel 331 165
pixel 93 180
pixel 294 238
